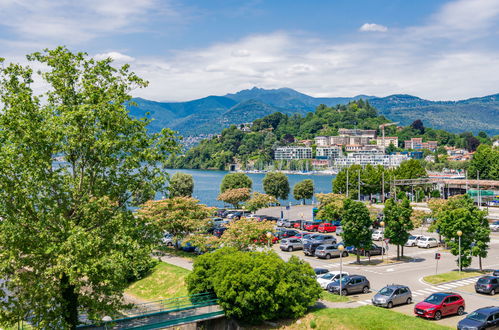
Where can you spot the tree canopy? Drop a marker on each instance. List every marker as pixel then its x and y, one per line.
pixel 234 181
pixel 398 222
pixel 235 196
pixel 356 225
pixel 181 185
pixel 304 190
pixel 72 164
pixel 276 184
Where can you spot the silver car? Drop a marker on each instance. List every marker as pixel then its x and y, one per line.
pixel 329 250
pixel 392 295
pixel 290 244
pixel 413 240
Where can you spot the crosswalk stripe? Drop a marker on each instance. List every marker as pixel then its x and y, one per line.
pixel 432 290
pixel 362 302
pixel 425 291
pixel 447 286
pixel 469 281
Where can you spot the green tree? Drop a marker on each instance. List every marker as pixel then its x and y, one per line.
pixel 460 214
pixel 234 181
pixel 303 190
pixel 255 286
pixel 69 239
pixel 331 207
pixel 398 223
pixel 276 184
pixel 235 196
pixel 259 201
pixel 245 234
pixel 356 226
pixel 485 163
pixel 178 216
pixel 181 185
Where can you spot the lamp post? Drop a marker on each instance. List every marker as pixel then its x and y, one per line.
pixel 382 224
pixel 106 319
pixel 269 235
pixel 341 248
pixel 459 234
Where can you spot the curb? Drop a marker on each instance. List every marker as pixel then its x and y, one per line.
pixel 444 283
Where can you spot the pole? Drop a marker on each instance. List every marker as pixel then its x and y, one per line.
pixel 358 195
pixel 347 182
pixel 383 186
pixel 459 256
pixel 341 270
pixel 436 269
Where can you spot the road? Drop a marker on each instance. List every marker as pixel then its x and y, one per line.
pixel 410 273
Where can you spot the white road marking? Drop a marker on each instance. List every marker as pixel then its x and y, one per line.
pixel 390 270
pixel 446 286
pixel 363 302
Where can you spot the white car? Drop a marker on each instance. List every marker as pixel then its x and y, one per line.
pixel 330 277
pixel 377 235
pixel 167 239
pixel 413 240
pixel 494 226
pixel 427 242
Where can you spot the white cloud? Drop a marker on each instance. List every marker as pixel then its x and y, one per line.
pixel 116 56
pixel 372 27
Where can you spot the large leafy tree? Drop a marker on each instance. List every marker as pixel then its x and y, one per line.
pixel 485 163
pixel 234 181
pixel 181 185
pixel 398 223
pixel 462 215
pixel 72 163
pixel 255 286
pixel 247 233
pixel 235 196
pixel 356 226
pixel 178 216
pixel 259 201
pixel 303 190
pixel 276 184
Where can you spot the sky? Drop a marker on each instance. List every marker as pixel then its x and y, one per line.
pixel 434 49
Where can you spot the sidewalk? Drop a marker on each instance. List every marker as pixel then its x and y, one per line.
pixel 177 261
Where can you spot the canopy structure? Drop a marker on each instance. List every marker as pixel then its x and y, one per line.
pixel 474 193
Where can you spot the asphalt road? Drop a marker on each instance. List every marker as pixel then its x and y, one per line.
pixel 410 272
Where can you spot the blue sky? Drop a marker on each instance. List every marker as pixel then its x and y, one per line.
pixel 439 50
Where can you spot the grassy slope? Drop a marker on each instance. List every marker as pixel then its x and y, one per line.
pixel 451 276
pixel 165 281
pixel 362 318
pixel 327 296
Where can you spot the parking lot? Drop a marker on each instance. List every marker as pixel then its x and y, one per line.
pixel 419 262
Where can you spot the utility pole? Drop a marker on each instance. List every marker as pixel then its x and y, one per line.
pixel 359 187
pixel 383 186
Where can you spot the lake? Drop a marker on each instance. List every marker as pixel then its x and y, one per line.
pixel 207 184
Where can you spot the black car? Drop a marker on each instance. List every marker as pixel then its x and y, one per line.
pixel 219 231
pixel 482 318
pixel 309 248
pixel 286 233
pixel 350 284
pixel 496 272
pixel 487 284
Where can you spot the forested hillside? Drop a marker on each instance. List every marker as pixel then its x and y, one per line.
pixel 280 129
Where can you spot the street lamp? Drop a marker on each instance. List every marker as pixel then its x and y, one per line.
pixel 459 234
pixel 382 224
pixel 269 235
pixel 106 319
pixel 341 248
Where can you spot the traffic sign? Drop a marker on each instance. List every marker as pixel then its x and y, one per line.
pixel 437 256
pixel 387 240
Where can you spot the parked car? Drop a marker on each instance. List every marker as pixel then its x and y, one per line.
pixel 336 223
pixel 329 250
pixel 308 238
pixel 377 235
pixel 494 226
pixel 311 225
pixel 375 250
pixel 323 239
pixel 392 295
pixel 330 277
pixel 296 224
pixel 482 318
pixel 280 222
pixel 167 239
pixel 487 284
pixel 309 248
pixel 188 247
pixel 269 218
pixel 290 244
pixel 440 304
pixel 286 223
pixel 219 231
pixel 238 215
pixel 286 233
pixel 427 242
pixel 350 284
pixel 326 228
pixel 496 272
pixel 413 240
pixel 226 213
pixel 320 271
pixel 299 236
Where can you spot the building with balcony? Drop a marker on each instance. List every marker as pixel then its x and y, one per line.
pixel 285 153
pixel 387 141
pixel 328 152
pixel 418 144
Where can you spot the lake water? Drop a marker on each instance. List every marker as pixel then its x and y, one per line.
pixel 207 184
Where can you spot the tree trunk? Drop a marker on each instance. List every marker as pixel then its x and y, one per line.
pixel 402 251
pixel 480 262
pixel 70 298
pixel 398 252
pixel 358 256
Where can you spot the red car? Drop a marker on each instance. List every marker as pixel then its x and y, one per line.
pixel 440 304
pixel 265 240
pixel 327 228
pixel 311 226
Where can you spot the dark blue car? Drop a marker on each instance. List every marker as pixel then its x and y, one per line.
pixel 483 318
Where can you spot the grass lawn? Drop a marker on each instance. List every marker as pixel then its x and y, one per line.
pixel 327 296
pixel 361 318
pixel 451 276
pixel 167 250
pixel 164 281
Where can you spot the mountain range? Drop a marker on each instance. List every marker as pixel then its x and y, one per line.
pixel 210 114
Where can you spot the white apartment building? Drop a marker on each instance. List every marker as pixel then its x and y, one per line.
pixel 328 152
pixel 370 158
pixel 321 141
pixel 388 140
pixel 285 153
